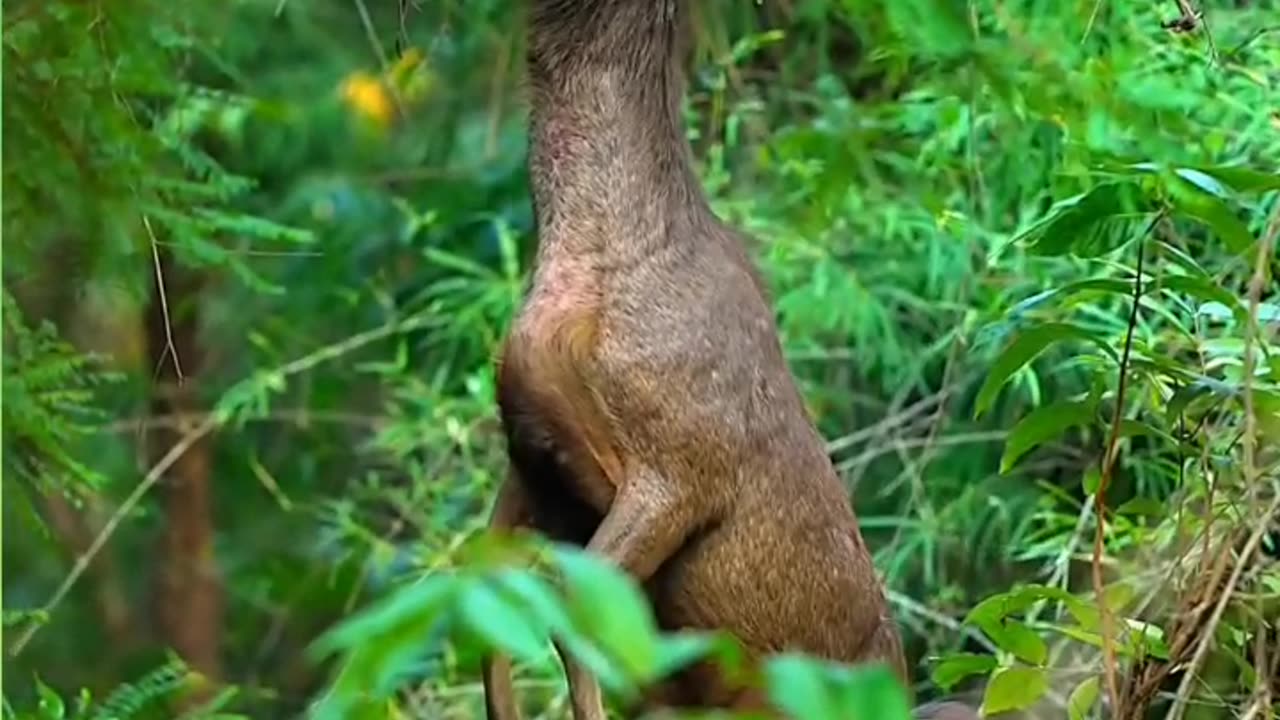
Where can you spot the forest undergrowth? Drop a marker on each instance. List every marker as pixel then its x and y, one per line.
pixel 258 256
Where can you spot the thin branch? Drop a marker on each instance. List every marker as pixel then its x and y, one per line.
pixel 371 33
pixel 1248 443
pixel 211 422
pixel 170 349
pixel 82 563
pixel 1206 636
pixel 1108 466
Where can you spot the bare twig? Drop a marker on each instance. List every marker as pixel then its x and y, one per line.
pixel 1108 466
pixel 1252 478
pixel 82 563
pixel 170 349
pixel 208 424
pixel 367 22
pixel 1224 597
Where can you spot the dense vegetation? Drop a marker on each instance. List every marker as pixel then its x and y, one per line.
pixel 258 256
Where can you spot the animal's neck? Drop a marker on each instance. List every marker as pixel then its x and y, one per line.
pixel 609 164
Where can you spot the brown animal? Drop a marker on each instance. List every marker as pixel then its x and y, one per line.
pixel 649 412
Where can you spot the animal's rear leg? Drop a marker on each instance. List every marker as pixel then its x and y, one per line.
pixel 648 521
pixel 511 510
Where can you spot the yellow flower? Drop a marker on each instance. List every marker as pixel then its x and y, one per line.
pixel 379 98
pixel 368 96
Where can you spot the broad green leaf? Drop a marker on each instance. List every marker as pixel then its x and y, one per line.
pixel 1182 260
pixel 1238 178
pixel 608 605
pixel 1014 688
pixel 502 626
pixel 798 686
pixel 1203 181
pixel 537 598
pixel 1040 426
pixel 1074 220
pixel 1211 389
pixel 1142 506
pixel 1091 480
pixel 675 652
pixel 1244 180
pixel 954 668
pixel 1079 634
pixel 1025 347
pixel 1026 594
pixel 1214 213
pixel 1146 638
pixel 1130 428
pixel 1082 698
pixel 1017 638
pixel 51 706
pixel 869 692
pixel 1118 595
pixel 1205 291
pixel 937 26
pixel 1112 286
pixel 406 606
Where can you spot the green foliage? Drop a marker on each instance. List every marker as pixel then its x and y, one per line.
pixel 48 402
pixel 597 612
pixel 146 697
pixel 948 202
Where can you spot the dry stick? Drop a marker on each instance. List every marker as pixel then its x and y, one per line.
pixel 1252 475
pixel 1252 472
pixel 82 563
pixel 169 347
pixel 1206 636
pixel 1108 465
pixel 210 423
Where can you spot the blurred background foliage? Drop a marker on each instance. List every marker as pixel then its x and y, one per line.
pixel 285 237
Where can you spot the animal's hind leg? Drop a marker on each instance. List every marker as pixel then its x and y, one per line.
pixel 511 510
pixel 514 509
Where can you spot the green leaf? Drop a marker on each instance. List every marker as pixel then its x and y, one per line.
pixel 427 598
pixel 936 26
pixel 1203 181
pixel 1025 347
pixel 797 685
pixel 1079 634
pixel 1205 387
pixel 1112 286
pixel 1142 506
pixel 536 598
pixel 1243 179
pixel 1211 178
pixel 1017 638
pixel 1014 688
pixel 1077 219
pixel 1082 698
pixel 1040 426
pixel 676 652
pixel 1205 291
pixel 503 627
pixel 1146 639
pixel 869 692
pixel 608 605
pixel 954 668
pixel 1091 481
pixel 1214 213
pixel 51 706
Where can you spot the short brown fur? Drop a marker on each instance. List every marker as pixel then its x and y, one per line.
pixel 649 412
